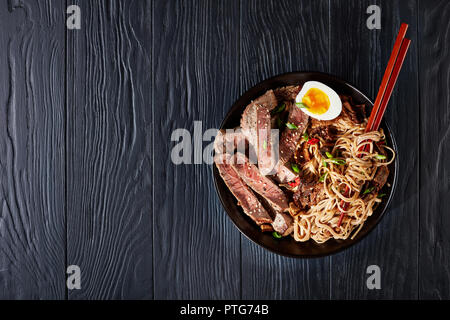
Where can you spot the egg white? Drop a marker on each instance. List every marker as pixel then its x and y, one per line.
pixel 335 108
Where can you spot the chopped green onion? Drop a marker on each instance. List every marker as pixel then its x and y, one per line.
pixel 276 235
pixel 381 195
pixel 329 155
pixel 291 126
pixel 302 105
pixel 265 144
pixel 369 190
pixel 295 168
pixel 305 136
pixel 380 157
pixel 324 163
pixel 340 162
pixel 322 177
pixel 278 109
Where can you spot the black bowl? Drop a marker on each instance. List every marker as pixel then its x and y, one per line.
pixel 288 246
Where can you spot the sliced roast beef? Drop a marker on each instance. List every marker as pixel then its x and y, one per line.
pixel 231 140
pixel 284 174
pixel 288 93
pixel 249 124
pixel 290 137
pixel 256 125
pixel 266 151
pixel 262 185
pixel 380 178
pixel 227 141
pixel 246 198
pixel 283 224
pixel 249 116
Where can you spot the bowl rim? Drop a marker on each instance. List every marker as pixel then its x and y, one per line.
pixel 348 244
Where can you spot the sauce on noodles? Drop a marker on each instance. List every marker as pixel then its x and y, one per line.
pixel 345 167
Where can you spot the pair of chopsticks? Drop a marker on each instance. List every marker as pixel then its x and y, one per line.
pixel 390 77
pixel 395 63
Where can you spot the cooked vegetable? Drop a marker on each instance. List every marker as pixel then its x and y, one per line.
pixel 329 155
pixel 295 183
pixel 340 162
pixel 276 235
pixel 322 177
pixel 302 105
pixel 380 157
pixel 291 126
pixel 305 136
pixel 295 168
pixel 313 141
pixel 368 190
pixel 278 109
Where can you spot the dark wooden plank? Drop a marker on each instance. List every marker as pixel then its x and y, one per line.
pixel 32 222
pixel 109 141
pixel 360 56
pixel 434 74
pixel 196 246
pixel 277 37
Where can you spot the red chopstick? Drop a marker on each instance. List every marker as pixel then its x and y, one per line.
pixel 390 77
pixel 387 74
pixel 391 84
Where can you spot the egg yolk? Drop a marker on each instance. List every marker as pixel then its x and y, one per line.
pixel 317 101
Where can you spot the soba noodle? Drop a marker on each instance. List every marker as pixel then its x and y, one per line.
pixel 320 221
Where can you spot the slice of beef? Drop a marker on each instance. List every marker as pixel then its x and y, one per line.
pixel 288 93
pixel 266 150
pixel 231 140
pixel 256 125
pixel 246 198
pixel 227 141
pixel 284 174
pixel 262 185
pixel 290 137
pixel 249 124
pixel 380 178
pixel 310 191
pixel 283 224
pixel 249 116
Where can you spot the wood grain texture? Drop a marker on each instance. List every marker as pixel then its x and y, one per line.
pixel 362 58
pixel 109 141
pixel 32 222
pixel 278 37
pixel 196 71
pixel 434 71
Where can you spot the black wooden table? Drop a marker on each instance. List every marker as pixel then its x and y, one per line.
pixel 86 118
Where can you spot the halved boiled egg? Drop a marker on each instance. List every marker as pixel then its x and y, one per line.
pixel 319 101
